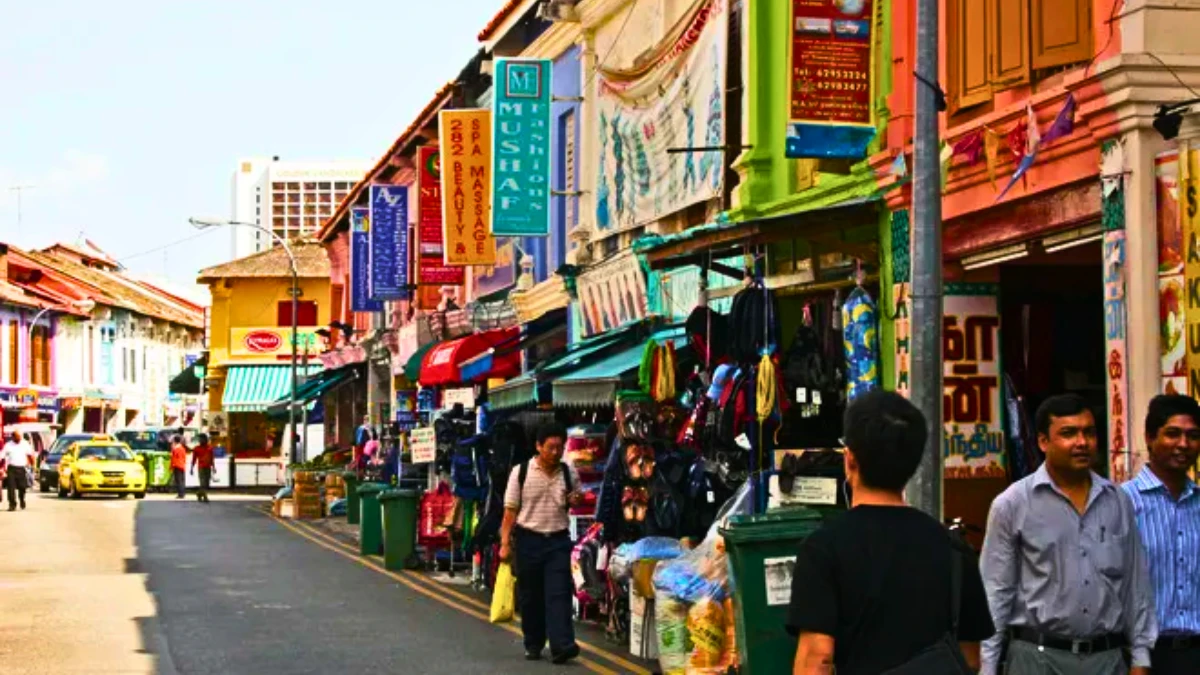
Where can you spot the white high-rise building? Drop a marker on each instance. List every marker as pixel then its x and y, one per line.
pixel 291 198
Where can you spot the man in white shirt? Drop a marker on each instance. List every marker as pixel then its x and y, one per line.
pixel 16 457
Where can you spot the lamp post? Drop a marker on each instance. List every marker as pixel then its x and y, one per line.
pixel 205 223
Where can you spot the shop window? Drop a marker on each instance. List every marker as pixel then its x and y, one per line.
pixel 14 351
pixel 993 45
pixel 306 313
pixel 337 296
pixel 39 361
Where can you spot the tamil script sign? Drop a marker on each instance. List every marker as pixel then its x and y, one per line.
pixel 521 148
pixel 466 140
pixel 973 436
pixel 360 258
pixel 388 242
pixel 675 101
pixel 432 270
pixel 612 293
pixel 1115 347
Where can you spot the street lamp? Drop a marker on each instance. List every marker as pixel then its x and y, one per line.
pixel 205 223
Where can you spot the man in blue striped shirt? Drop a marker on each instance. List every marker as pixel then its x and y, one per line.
pixel 1167 507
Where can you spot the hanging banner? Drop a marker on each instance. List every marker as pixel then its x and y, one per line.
pixel 388 242
pixel 501 275
pixel 360 257
pixel 973 435
pixel 406 408
pixel 432 270
pixel 1189 167
pixel 830 57
pixel 1115 348
pixel 1171 280
pixel 612 293
pixel 465 137
pixel 521 148
pixel 654 120
pixel 903 331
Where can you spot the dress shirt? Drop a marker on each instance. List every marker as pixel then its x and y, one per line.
pixel 1048 568
pixel 1170 531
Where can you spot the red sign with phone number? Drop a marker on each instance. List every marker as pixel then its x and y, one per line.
pixel 831 61
pixel 431 268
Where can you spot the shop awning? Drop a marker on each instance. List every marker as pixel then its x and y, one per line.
pixel 597 384
pixel 481 355
pixel 313 389
pixel 516 393
pixel 186 380
pixel 255 388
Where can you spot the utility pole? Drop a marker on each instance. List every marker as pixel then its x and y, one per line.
pixel 19 189
pixel 925 489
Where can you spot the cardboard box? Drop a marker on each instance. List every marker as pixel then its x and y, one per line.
pixel 643 633
pixel 287 508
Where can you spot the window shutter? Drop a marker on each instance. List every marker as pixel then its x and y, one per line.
pixel 1010 43
pixel 1062 32
pixel 968 45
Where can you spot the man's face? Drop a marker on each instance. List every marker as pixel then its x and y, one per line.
pixel 551 450
pixel 1070 446
pixel 1176 446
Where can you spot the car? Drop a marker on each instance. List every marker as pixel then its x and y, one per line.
pixel 48 467
pixel 101 467
pixel 156 438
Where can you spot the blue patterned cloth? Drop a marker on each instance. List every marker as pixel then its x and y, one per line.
pixel 860 339
pixel 1170 531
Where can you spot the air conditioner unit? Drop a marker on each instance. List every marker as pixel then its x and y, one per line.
pixel 558 10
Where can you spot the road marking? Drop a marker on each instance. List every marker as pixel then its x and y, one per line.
pixel 344 551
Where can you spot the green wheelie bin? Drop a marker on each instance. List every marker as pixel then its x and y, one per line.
pixel 370 526
pixel 353 507
pixel 399 527
pixel 762 554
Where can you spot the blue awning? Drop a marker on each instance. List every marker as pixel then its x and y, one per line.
pixel 255 388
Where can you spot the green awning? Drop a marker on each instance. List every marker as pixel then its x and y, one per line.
pixel 312 389
pixel 255 388
pixel 516 393
pixel 597 384
pixel 412 367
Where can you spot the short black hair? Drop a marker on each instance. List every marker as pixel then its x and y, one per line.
pixel 1165 406
pixel 1062 405
pixel 886 434
pixel 551 430
pixel 203 438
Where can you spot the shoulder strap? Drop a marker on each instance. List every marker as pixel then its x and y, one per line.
pixel 956 573
pixel 522 473
pixel 567 477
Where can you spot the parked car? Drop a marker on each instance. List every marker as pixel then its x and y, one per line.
pixel 101 467
pixel 155 438
pixel 48 467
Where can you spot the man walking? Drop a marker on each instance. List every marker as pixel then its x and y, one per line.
pixel 202 457
pixel 179 466
pixel 874 589
pixel 16 458
pixel 536 527
pixel 1064 568
pixel 1167 506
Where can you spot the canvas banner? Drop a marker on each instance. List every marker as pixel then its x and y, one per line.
pixel 612 293
pixel 431 270
pixel 1115 319
pixel 465 137
pixel 521 148
pixel 654 120
pixel 360 258
pixel 388 242
pixel 972 393
pixel 1171 280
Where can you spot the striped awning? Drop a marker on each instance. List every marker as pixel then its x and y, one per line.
pixel 255 388
pixel 516 393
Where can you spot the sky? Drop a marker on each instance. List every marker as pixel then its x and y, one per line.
pixel 126 117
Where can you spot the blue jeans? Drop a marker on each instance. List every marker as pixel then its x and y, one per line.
pixel 545 590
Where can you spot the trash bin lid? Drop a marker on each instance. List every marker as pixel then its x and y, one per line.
pixel 795 523
pixel 371 488
pixel 349 475
pixel 389 495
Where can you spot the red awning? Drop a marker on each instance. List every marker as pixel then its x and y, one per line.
pixel 441 364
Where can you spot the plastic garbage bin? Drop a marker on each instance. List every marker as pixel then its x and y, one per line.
pixel 370 526
pixel 762 555
pixel 158 469
pixel 352 504
pixel 399 526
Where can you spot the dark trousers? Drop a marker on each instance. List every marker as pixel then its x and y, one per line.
pixel 1168 661
pixel 544 590
pixel 15 482
pixel 205 481
pixel 180 482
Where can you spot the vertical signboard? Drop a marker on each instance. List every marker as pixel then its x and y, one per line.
pixel 1117 397
pixel 360 268
pixel 432 269
pixel 388 242
pixel 521 148
pixel 903 328
pixel 1190 215
pixel 830 100
pixel 1171 279
pixel 465 137
pixel 973 435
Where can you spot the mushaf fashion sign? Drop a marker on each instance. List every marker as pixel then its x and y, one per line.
pixel 521 148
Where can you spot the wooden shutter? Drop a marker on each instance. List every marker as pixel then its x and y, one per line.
pixel 1062 32
pixel 1010 43
pixel 968 39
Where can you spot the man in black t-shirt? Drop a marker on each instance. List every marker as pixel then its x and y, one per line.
pixel 871 589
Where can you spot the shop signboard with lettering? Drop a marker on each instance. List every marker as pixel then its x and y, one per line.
pixel 432 269
pixel 1117 398
pixel 1172 302
pixel 466 142
pixel 388 242
pixel 521 148
pixel 972 396
pixel 271 341
pixel 360 257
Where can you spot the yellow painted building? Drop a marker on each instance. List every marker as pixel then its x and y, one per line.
pixel 249 340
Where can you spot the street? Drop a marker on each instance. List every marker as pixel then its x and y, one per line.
pixel 163 586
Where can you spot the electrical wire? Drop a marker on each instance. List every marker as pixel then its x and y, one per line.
pixel 167 246
pixel 612 47
pixel 1173 73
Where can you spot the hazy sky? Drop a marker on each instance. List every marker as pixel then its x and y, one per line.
pixel 128 116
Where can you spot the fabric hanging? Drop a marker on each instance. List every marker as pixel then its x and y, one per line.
pixel 861 343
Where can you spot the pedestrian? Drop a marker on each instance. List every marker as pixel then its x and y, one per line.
pixel 1063 565
pixel 1166 504
pixel 16 458
pixel 536 528
pixel 179 466
pixel 874 590
pixel 202 458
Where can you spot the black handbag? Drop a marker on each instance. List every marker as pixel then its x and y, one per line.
pixel 943 657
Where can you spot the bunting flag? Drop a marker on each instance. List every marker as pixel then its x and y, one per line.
pixel 944 158
pixel 1064 122
pixel 970 146
pixel 899 167
pixel 1033 140
pixel 991 152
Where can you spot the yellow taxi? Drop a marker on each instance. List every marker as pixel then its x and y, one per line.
pixel 101 467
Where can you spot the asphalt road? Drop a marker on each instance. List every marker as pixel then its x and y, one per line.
pixel 177 587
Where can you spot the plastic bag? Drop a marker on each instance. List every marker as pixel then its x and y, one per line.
pixel 674 643
pixel 706 627
pixel 504 595
pixel 655 548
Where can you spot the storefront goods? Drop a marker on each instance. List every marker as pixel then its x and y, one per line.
pixel 504 593
pixel 585 566
pixel 755 313
pixel 859 328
